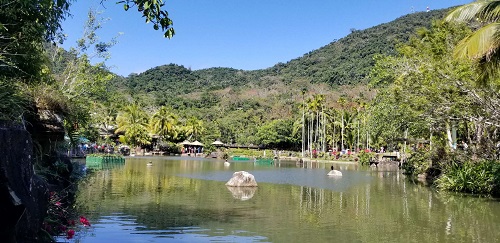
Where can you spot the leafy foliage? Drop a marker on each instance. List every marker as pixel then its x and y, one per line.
pixel 133 123
pixel 276 134
pixel 152 12
pixel 470 177
pixel 422 90
pixel 24 26
pixel 483 45
pixel 12 102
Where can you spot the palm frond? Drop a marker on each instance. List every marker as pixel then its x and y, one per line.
pixel 491 71
pixel 488 11
pixel 482 44
pixel 491 12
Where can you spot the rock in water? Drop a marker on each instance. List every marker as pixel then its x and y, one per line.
pixel 242 178
pixel 242 193
pixel 334 173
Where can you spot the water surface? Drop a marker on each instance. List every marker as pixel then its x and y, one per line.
pixel 185 200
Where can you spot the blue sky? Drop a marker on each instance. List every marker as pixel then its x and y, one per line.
pixel 240 34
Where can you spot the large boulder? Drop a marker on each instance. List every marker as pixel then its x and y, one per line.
pixel 23 195
pixel 242 179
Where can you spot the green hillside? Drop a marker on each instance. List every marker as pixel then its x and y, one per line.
pixel 344 61
pixel 234 104
pixel 350 59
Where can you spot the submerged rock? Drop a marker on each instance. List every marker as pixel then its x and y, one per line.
pixel 242 193
pixel 242 178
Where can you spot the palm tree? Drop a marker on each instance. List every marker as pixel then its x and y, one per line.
pixel 133 122
pixel 304 90
pixel 319 99
pixel 483 45
pixel 332 124
pixel 194 127
pixel 342 101
pixel 349 124
pixel 314 107
pixel 164 123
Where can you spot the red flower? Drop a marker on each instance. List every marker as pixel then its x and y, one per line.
pixel 70 233
pixel 58 204
pixel 84 221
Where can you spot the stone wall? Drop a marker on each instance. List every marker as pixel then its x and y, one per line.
pixel 23 195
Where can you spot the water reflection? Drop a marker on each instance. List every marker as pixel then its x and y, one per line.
pixel 242 193
pixel 293 203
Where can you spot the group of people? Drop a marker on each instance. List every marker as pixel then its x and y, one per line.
pixel 86 148
pixel 192 150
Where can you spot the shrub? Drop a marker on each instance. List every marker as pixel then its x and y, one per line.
pixel 418 162
pixel 472 177
pixel 11 102
pixel 364 157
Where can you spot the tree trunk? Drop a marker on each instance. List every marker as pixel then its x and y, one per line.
pixel 303 127
pixel 449 134
pixel 342 132
pixel 334 145
pixel 357 142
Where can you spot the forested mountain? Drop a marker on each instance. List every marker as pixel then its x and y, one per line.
pixel 235 104
pixel 350 59
pixel 344 61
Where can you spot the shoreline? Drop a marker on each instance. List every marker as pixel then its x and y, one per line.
pixel 296 159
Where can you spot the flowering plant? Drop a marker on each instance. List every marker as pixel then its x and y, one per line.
pixel 60 220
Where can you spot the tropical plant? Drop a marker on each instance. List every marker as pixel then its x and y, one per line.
pixel 194 128
pixel 470 177
pixel 165 124
pixel 277 134
pixel 132 122
pixel 483 45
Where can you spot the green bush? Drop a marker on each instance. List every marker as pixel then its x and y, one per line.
pixel 12 102
pixel 472 177
pixel 364 157
pixel 417 163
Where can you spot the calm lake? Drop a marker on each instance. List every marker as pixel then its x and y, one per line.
pixel 185 200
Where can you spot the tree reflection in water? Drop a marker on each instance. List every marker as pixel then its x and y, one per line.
pixel 365 205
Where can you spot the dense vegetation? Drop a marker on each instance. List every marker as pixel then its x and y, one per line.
pixel 418 94
pixel 51 93
pixel 428 102
pixel 236 105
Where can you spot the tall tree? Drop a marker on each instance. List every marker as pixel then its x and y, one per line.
pixel 194 128
pixel 428 90
pixel 24 26
pixel 165 123
pixel 342 101
pixel 133 121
